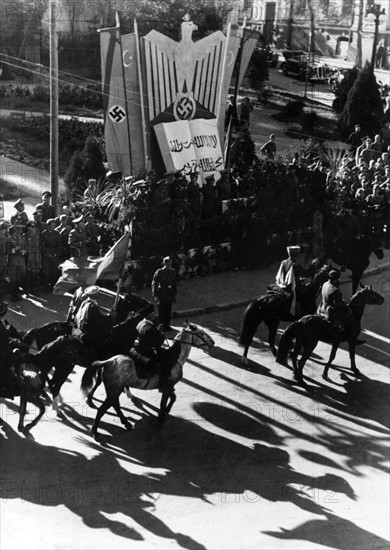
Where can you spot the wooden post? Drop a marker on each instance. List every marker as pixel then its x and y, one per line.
pixel 54 105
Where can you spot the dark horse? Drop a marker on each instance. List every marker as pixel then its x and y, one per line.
pixel 355 254
pixel 129 307
pixel 274 307
pixel 312 328
pixel 120 372
pixel 66 351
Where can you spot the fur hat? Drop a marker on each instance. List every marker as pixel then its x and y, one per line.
pixel 293 250
pixel 91 290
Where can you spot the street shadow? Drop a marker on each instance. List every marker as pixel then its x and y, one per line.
pixel 332 532
pixel 93 488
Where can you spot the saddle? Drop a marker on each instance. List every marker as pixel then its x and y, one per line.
pixel 147 366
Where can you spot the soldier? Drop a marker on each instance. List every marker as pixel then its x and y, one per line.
pixel 332 307
pixel 64 230
pixel 287 276
pixel 20 218
pixel 92 231
pixel 48 210
pixel 17 250
pixel 147 349
pixel 78 240
pixel 94 325
pixel 50 246
pixel 164 291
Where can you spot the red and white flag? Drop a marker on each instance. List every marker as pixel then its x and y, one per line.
pixel 113 263
pixel 85 271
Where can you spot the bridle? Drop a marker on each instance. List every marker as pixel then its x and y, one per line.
pixel 204 342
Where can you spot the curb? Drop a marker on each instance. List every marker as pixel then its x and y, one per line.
pixel 239 303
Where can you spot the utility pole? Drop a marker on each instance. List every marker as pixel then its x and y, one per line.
pixel 54 105
pixel 359 62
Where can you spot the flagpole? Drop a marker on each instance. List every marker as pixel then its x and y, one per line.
pixel 54 106
pixel 141 94
pixel 117 22
pixel 222 92
pixel 236 88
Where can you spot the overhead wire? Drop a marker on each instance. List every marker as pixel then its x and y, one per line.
pixel 80 86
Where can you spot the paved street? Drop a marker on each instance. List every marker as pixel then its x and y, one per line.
pixel 247 459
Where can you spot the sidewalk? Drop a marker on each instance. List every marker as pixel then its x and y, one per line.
pixel 202 295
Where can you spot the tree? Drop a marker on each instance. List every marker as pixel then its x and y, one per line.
pixel 363 105
pixel 84 165
pixel 166 16
pixel 258 68
pixel 343 88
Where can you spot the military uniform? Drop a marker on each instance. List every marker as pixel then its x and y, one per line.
pixel 77 242
pixel 146 350
pixel 164 291
pixel 17 250
pixel 332 307
pixel 50 246
pixel 92 231
pixel 95 325
pixel 48 211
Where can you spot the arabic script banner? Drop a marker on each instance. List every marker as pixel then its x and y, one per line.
pixel 191 144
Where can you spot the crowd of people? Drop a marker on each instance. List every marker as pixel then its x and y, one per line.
pixel 31 250
pixel 360 188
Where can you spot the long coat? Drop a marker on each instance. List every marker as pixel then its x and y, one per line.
pixel 332 307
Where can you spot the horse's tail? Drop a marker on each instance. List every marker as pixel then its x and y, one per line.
pixel 88 377
pixel 249 323
pixel 285 343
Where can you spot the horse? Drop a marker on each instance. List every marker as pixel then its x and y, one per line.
pixel 274 307
pixel 120 372
pixel 47 333
pixel 355 254
pixel 66 351
pixel 128 307
pixel 312 328
pixel 29 383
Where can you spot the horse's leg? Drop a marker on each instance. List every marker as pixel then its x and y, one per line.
pixel 308 349
pixel 332 355
pixel 22 411
pixel 163 405
pixel 101 411
pixel 35 400
pixel 118 410
pixel 91 393
pixel 272 330
pixel 172 399
pixel 61 373
pixel 352 346
pixel 356 277
pixel 249 337
pixel 294 355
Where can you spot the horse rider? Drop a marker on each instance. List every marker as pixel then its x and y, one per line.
pixel 94 325
pixel 79 295
pixel 332 307
pixel 288 273
pixel 147 349
pixel 8 373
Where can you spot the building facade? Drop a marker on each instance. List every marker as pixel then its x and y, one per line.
pixel 341 27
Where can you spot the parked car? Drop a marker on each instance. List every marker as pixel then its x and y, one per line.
pixel 296 64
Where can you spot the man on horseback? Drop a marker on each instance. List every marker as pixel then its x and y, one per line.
pixel 94 325
pixel 147 349
pixel 332 307
pixel 287 275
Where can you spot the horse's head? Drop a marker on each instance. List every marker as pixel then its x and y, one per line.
pixel 195 337
pixel 365 295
